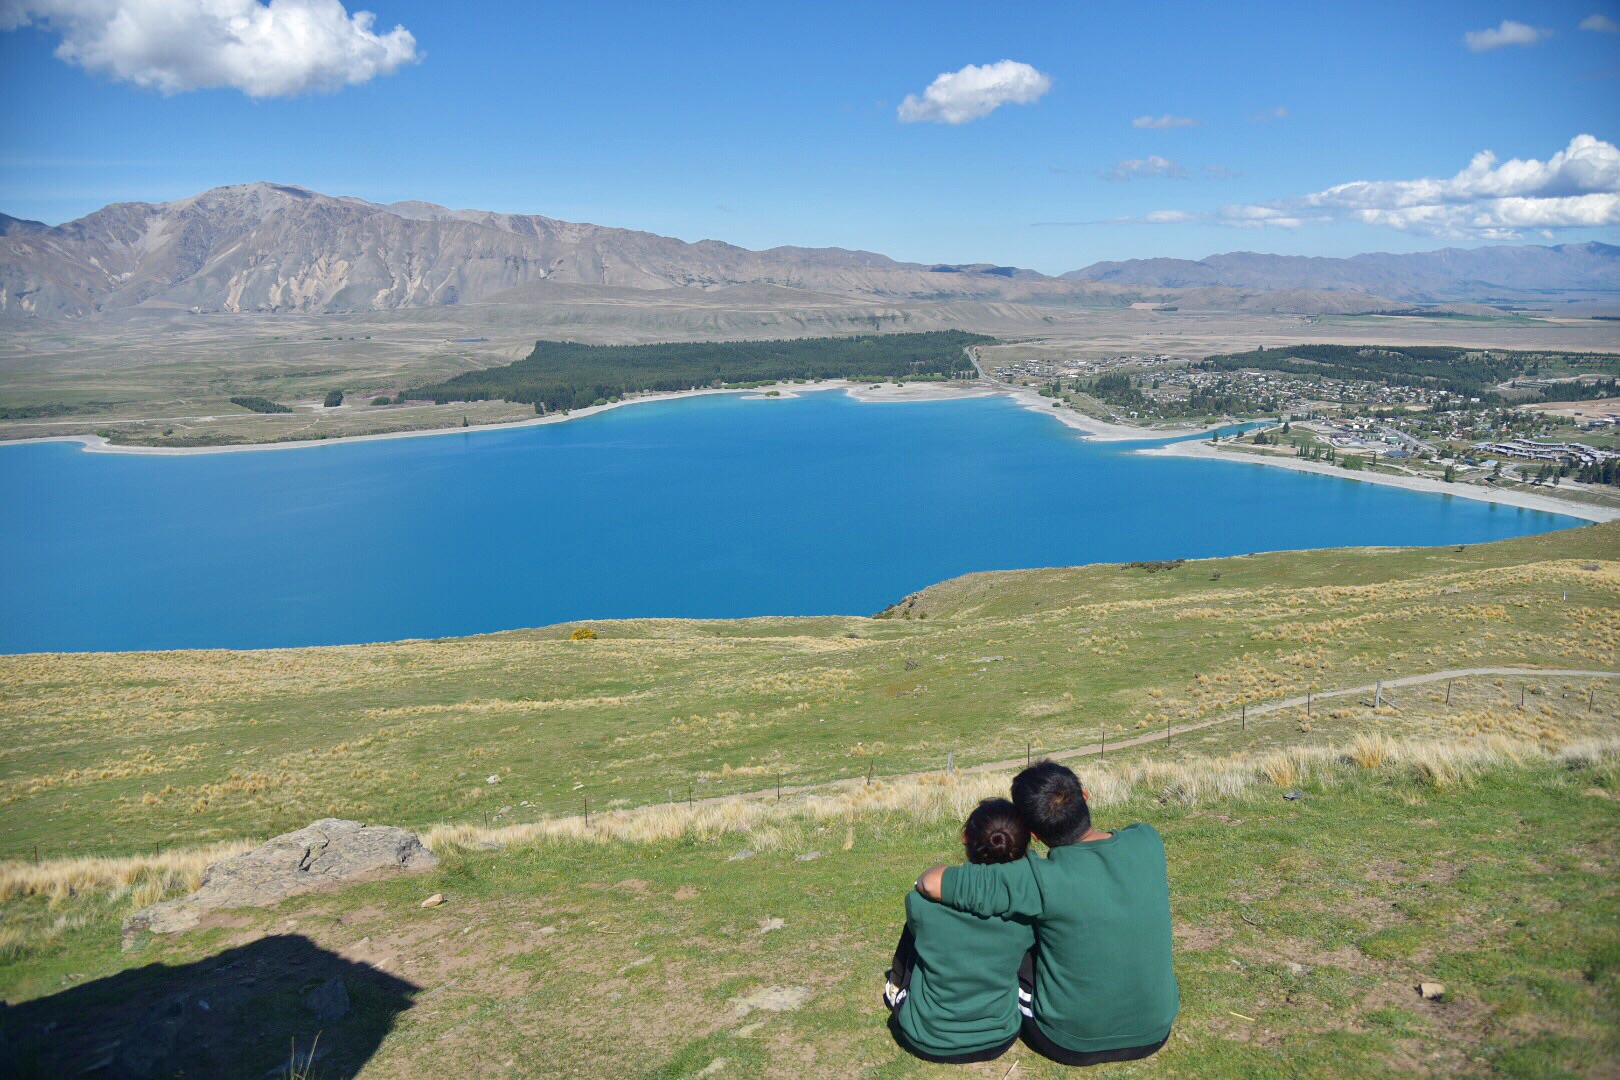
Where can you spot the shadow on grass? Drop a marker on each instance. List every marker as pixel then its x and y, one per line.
pixel 247 1011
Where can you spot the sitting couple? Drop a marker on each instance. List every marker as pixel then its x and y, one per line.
pixel 1071 951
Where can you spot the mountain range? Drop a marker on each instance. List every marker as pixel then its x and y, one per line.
pixel 279 248
pixel 1478 274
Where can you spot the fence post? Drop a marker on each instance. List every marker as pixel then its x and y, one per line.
pixel 1448 690
pixel 1029 751
pixel 778 787
pixel 587 799
pixel 1104 755
pixel 1169 729
pixel 1591 695
pixel 1378 694
pixel 689 796
pixel 1521 697
pixel 950 762
pixel 1307 703
pixel 1244 717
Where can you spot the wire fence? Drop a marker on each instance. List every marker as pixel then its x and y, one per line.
pixel 693 791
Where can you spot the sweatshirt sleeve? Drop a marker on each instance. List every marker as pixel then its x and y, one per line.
pixel 998 889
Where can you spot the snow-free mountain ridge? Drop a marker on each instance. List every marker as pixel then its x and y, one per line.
pixel 279 248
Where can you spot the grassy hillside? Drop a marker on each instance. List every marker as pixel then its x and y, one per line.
pixel 112 753
pixel 749 940
pixel 1459 829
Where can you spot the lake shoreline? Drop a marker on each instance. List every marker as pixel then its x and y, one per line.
pixel 1095 430
pixel 1522 499
pixel 879 393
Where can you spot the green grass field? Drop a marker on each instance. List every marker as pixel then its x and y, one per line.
pixel 646 942
pixel 1303 929
pixel 113 753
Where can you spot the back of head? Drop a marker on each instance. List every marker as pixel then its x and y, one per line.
pixel 1052 802
pixel 995 833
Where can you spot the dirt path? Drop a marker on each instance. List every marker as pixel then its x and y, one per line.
pixel 1168 735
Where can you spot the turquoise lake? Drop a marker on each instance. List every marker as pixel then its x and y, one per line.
pixel 704 507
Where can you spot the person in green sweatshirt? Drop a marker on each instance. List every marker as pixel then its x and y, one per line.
pixel 1102 987
pixel 953 987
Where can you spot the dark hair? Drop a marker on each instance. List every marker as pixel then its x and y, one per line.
pixel 1050 798
pixel 995 833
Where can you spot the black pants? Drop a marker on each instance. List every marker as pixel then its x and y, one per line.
pixel 1036 1039
pixel 900 969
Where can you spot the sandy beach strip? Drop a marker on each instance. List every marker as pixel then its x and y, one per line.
pixel 96 444
pixel 877 393
pixel 1525 499
pixel 1102 430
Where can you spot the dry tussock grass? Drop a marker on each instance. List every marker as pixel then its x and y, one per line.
pixel 144 877
pixel 765 824
pixel 931 797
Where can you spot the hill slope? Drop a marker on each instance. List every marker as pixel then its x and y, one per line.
pixel 118 751
pixel 1303 928
pixel 1459 830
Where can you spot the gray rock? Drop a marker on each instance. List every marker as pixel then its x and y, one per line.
pixel 324 855
pixel 330 1000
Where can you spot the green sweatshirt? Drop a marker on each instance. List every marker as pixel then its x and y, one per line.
pixel 963 996
pixel 1103 977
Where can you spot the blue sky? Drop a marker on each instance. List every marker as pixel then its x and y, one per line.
pixel 766 124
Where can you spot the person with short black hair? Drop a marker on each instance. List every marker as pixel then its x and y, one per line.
pixel 953 986
pixel 1102 985
pixel 1052 802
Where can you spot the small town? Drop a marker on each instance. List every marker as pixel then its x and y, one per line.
pixel 1497 434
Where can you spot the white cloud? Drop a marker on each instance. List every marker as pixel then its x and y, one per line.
pixel 1165 121
pixel 1279 112
pixel 1508 33
pixel 1152 165
pixel 1169 217
pixel 956 97
pixel 1578 187
pixel 273 49
pixel 1599 23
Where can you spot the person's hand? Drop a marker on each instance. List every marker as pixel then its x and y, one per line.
pixel 931 882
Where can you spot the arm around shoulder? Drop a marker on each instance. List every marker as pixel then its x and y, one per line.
pixel 995 889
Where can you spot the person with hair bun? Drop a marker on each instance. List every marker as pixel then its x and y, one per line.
pixel 952 989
